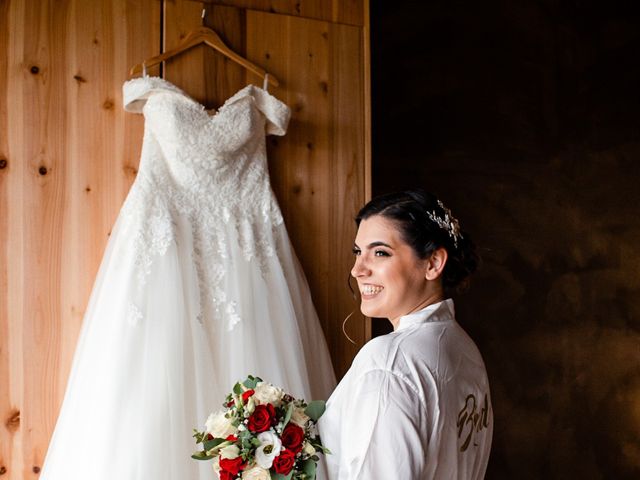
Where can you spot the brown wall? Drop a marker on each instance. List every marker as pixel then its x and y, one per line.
pixel 524 117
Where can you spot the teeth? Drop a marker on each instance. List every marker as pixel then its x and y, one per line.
pixel 371 290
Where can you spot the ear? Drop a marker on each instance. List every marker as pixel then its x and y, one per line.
pixel 436 263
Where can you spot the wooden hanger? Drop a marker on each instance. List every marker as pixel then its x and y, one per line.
pixel 209 37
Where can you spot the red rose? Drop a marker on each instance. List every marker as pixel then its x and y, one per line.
pixel 284 462
pixel 224 475
pixel 262 418
pixel 292 437
pixel 231 438
pixel 246 395
pixel 231 465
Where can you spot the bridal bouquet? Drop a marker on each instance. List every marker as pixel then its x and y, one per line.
pixel 262 433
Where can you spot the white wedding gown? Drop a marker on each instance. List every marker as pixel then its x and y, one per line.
pixel 198 287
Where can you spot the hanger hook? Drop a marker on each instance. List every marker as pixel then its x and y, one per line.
pixel 204 13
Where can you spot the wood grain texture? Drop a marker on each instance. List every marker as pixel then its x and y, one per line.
pixel 350 12
pixel 10 338
pixel 70 160
pixel 72 154
pixel 206 75
pixel 318 168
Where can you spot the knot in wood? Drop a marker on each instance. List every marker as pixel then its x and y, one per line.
pixel 13 421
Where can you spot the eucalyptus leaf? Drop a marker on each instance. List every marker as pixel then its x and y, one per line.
pixel 279 476
pixel 287 416
pixel 315 409
pixel 309 468
pixel 237 389
pixel 251 382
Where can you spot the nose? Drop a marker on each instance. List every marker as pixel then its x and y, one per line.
pixel 360 268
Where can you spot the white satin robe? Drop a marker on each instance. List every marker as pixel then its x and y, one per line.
pixel 415 404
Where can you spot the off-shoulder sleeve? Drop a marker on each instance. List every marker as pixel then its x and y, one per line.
pixel 136 91
pixel 383 437
pixel 277 113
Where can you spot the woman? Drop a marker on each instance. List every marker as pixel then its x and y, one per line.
pixel 415 403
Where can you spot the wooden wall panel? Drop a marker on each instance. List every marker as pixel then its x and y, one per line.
pixel 6 438
pixel 350 12
pixel 10 338
pixel 70 154
pixel 318 168
pixel 207 76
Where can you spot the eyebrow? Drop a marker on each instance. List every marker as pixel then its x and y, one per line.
pixel 375 244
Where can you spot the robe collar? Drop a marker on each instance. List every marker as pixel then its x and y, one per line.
pixel 436 312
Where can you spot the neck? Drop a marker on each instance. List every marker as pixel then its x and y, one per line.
pixel 430 299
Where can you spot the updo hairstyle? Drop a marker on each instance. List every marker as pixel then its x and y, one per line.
pixel 426 225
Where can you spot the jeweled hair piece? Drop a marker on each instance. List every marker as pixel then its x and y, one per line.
pixel 449 223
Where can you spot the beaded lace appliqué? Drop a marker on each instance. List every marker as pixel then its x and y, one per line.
pixel 211 171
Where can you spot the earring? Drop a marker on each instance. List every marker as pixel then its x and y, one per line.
pixel 344 332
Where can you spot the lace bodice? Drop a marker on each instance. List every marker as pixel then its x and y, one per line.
pixel 208 170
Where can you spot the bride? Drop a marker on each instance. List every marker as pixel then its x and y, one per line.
pixel 415 403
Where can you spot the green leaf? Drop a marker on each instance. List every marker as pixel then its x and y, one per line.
pixel 287 416
pixel 251 382
pixel 237 388
pixel 209 444
pixel 201 456
pixel 315 409
pixel 279 476
pixel 309 468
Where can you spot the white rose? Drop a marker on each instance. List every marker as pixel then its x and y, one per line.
pixel 256 473
pixel 270 446
pixel 299 417
pixel 216 466
pixel 309 449
pixel 219 426
pixel 267 393
pixel 230 452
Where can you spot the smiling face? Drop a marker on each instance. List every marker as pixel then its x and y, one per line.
pixel 391 278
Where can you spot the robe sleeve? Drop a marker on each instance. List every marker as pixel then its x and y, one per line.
pixel 384 433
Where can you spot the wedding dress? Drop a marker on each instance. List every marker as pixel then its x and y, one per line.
pixel 199 286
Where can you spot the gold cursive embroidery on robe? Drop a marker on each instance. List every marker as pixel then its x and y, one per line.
pixel 471 420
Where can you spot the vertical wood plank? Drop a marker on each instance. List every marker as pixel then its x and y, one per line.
pixel 10 261
pixel 6 439
pixel 348 165
pixel 71 160
pixel 43 102
pixel 317 169
pixel 204 74
pixel 350 12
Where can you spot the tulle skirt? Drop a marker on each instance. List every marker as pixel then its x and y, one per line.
pixel 149 366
